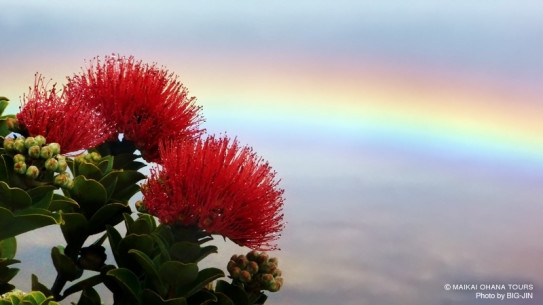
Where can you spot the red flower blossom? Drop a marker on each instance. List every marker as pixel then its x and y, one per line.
pixel 71 123
pixel 147 104
pixel 220 187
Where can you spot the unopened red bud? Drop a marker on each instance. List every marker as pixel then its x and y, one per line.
pixel 18 158
pixel 62 165
pixel 20 167
pixel 244 276
pixel 252 267
pixel 32 172
pixel 253 255
pixel 55 148
pixel 40 140
pixel 274 260
pixel 230 266
pixel 277 272
pixel 242 261
pixel 8 144
pixel 51 164
pixel 34 152
pixel 268 267
pixel 262 258
pixel 235 273
pixel 46 152
pixel 267 279
pixel 276 285
pixel 12 124
pixel 234 257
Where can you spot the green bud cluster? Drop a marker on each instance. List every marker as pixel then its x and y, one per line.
pixel 35 158
pixel 256 271
pixel 92 157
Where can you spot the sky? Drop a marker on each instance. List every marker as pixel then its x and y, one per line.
pixel 407 134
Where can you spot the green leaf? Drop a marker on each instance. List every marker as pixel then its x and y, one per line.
pixel 142 242
pixel 223 299
pixel 13 198
pixel 8 247
pixel 204 277
pixel 63 203
pixel 106 164
pixel 4 173
pixel 4 102
pixel 176 274
pixel 203 296
pixel 24 221
pixel 114 238
pixel 84 285
pixel 6 274
pixel 110 214
pixel 185 251
pixel 89 170
pixel 126 185
pixel 90 194
pixel 109 181
pixel 42 196
pixel 75 229
pixel 64 265
pixel 151 297
pixel 89 296
pixel 150 270
pixel 128 282
pixel 38 296
pixel 37 286
pixel 235 293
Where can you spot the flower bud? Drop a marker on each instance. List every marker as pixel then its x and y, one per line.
pixel 277 272
pixel 252 267
pixel 18 158
pixel 268 267
pixel 267 280
pixel 62 165
pixel 46 152
pixel 19 144
pixel 245 276
pixel 61 179
pixel 13 124
pixel 95 156
pixel 276 285
pixel 20 167
pixel 253 255
pixel 40 140
pixel 34 152
pixel 140 207
pixel 242 261
pixel 30 141
pixel 55 148
pixel 8 144
pixel 234 257
pixel 51 164
pixel 32 172
pixel 231 265
pixel 262 258
pixel 69 184
pixel 235 273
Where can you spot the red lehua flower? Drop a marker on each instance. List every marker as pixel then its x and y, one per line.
pixel 71 123
pixel 220 187
pixel 146 103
